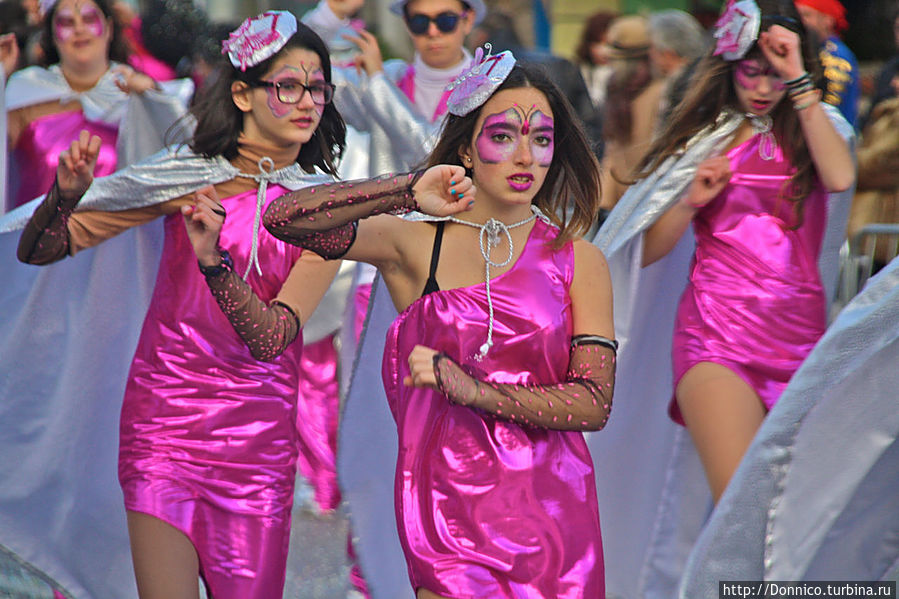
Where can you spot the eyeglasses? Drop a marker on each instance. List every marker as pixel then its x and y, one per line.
pixel 446 22
pixel 291 92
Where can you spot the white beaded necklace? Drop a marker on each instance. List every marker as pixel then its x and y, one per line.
pixel 489 239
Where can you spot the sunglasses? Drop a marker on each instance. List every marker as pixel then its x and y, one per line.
pixel 291 92
pixel 446 22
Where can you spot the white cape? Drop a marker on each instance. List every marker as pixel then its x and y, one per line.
pixel 67 337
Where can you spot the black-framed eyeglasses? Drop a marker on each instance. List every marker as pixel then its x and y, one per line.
pixel 291 92
pixel 446 22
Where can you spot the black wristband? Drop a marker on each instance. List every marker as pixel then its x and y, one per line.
pixel 226 265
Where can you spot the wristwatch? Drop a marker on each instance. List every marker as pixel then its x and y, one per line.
pixel 226 265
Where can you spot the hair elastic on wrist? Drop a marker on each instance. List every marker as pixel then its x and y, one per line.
pixel 802 78
pixel 816 97
pixel 578 340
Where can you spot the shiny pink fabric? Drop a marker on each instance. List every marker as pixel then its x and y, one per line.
pixel 208 440
pixel 36 154
pixel 485 507
pixel 317 414
pixel 754 302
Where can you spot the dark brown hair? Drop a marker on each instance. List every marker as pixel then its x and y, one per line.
pixel 118 48
pixel 570 194
pixel 595 28
pixel 220 121
pixel 711 90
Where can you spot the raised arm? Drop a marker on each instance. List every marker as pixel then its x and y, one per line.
pixel 267 329
pixel 324 218
pixel 829 151
pixel 45 238
pixel 661 237
pixel 580 402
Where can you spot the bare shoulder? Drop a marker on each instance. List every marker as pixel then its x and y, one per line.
pixel 589 258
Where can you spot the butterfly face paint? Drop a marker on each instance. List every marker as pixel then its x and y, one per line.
pixel 503 134
pixel 748 74
pixel 289 77
pixel 66 21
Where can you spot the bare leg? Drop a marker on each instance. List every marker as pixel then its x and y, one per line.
pixel 165 561
pixel 426 594
pixel 722 413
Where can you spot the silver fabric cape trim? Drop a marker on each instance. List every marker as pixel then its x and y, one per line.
pixel 170 173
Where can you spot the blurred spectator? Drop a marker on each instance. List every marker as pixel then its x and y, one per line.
pixel 676 40
pixel 885 87
pixel 629 111
pixel 15 19
pixel 497 29
pixel 591 58
pixel 826 19
pixel 877 189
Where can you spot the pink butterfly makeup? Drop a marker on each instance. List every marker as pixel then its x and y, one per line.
pixel 748 74
pixel 291 76
pixel 66 21
pixel 502 134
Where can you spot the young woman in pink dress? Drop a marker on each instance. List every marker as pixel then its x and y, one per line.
pixel 209 437
pixel 85 83
pixel 754 305
pixel 502 353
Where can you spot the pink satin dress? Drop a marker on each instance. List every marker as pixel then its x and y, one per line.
pixel 37 150
pixel 485 507
pixel 208 439
pixel 318 413
pixel 754 301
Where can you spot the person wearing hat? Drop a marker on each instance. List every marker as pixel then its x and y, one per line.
pixel 827 20
pixel 630 108
pixel 400 104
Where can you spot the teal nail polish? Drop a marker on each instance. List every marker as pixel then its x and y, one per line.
pixel 454 192
pixel 461 195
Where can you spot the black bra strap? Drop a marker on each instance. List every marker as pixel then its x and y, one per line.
pixel 431 284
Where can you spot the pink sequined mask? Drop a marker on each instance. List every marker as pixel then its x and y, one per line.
pixel 748 73
pixel 502 133
pixel 66 20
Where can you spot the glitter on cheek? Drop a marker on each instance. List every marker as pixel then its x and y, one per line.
pixel 543 127
pixel 93 21
pixel 278 108
pixel 64 25
pixel 494 152
pixel 745 81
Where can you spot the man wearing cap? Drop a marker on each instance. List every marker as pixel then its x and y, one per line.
pixel 827 19
pixel 401 104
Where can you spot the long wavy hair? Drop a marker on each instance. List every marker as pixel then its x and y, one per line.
pixel 219 121
pixel 118 48
pixel 711 91
pixel 570 194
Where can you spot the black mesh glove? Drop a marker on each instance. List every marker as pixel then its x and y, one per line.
pixel 328 226
pixel 582 402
